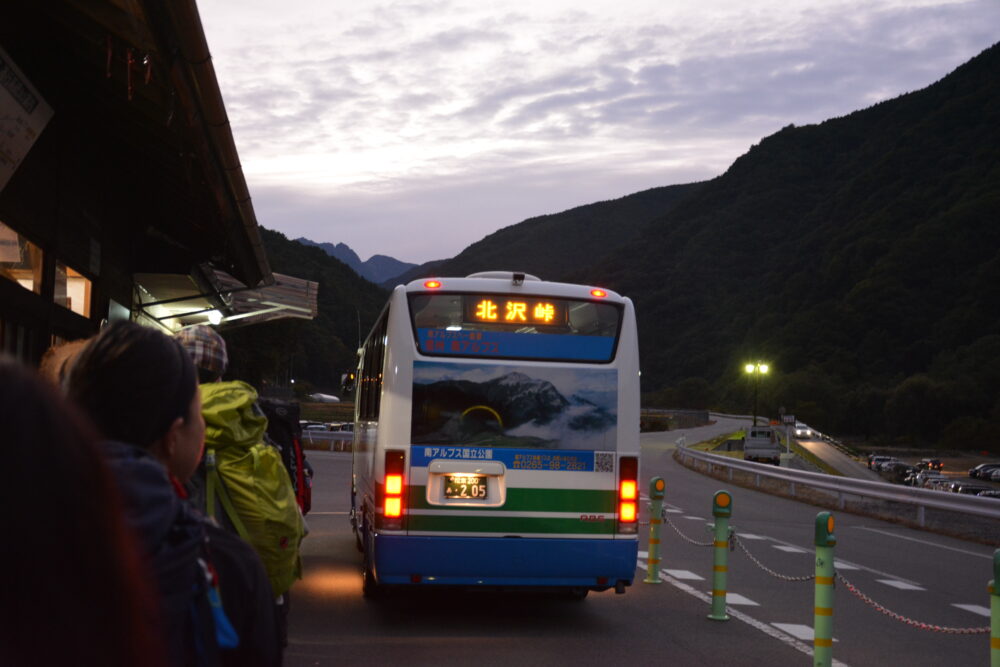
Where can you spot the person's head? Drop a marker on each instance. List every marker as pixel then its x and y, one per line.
pixel 71 562
pixel 58 359
pixel 207 349
pixel 139 387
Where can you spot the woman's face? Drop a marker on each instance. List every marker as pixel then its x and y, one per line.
pixel 189 441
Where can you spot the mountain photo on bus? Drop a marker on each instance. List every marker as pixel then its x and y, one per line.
pixel 514 406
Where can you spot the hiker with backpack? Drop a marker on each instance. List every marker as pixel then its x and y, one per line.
pixel 243 481
pixel 139 388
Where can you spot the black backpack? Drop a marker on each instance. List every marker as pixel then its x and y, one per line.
pixel 285 433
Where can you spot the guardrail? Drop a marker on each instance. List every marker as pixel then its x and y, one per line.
pixel 334 441
pixel 921 499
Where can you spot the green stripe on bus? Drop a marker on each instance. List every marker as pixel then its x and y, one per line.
pixel 505 524
pixel 590 501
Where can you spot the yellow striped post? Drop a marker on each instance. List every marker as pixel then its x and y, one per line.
pixel 722 509
pixel 656 487
pixel 995 612
pixel 823 608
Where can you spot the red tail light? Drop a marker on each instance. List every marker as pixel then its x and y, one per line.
pixel 628 494
pixel 392 503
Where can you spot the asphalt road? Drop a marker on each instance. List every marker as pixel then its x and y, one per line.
pixel 930 578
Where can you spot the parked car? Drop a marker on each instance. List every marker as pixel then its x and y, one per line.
pixel 887 465
pixel 925 476
pixel 993 476
pixel 978 471
pixel 938 484
pixel 992 493
pixel 969 488
pixel 930 464
pixel 874 459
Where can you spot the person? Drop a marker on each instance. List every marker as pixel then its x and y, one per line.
pixel 139 388
pixel 236 425
pixel 76 588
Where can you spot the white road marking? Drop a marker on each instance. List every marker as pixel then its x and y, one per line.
pixel 684 574
pixel 783 637
pixel 803 632
pixel 928 543
pixel 841 565
pixel 643 554
pixel 694 518
pixel 737 599
pixel 854 566
pixel 974 608
pixel 901 585
pixel 751 536
pixel 790 549
pixel 675 511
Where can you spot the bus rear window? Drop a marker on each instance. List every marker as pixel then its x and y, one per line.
pixel 504 326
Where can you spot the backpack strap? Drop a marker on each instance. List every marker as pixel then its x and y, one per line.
pixel 213 484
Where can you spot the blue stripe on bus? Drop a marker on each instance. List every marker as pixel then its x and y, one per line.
pixel 515 459
pixel 510 345
pixel 499 561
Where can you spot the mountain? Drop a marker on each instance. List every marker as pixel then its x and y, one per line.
pixel 554 246
pixel 377 268
pixel 859 256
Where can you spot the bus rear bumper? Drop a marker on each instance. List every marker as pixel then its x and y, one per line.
pixel 505 562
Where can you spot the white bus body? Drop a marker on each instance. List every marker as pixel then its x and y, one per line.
pixel 496 438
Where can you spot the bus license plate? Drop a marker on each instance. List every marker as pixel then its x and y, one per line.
pixel 465 487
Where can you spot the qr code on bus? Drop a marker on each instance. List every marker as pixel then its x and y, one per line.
pixel 604 462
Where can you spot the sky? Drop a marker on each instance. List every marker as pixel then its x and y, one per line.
pixel 414 128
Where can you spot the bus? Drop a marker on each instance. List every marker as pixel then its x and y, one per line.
pixel 496 437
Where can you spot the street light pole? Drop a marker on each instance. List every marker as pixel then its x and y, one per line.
pixel 756 370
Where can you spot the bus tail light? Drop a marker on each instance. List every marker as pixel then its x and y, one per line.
pixel 628 494
pixel 392 505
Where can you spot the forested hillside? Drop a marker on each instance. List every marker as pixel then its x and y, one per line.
pixel 860 257
pixel 315 352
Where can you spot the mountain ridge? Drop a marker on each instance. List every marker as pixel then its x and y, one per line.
pixel 377 268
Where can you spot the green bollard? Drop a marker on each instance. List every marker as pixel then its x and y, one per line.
pixel 722 509
pixel 825 576
pixel 995 612
pixel 656 486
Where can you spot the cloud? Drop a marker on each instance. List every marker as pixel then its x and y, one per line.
pixel 416 128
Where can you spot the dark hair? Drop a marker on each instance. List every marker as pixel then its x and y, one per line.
pixel 133 382
pixel 76 590
pixel 206 376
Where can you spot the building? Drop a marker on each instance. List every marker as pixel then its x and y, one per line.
pixel 121 190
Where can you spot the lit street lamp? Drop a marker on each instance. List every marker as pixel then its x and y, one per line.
pixel 756 370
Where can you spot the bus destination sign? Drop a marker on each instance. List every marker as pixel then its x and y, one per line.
pixel 505 310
